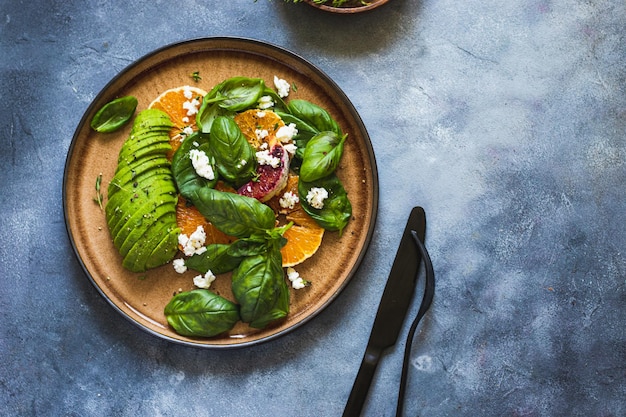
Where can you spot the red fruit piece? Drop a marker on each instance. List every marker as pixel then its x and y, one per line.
pixel 270 180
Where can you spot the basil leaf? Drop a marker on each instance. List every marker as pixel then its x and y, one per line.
pixel 113 115
pixel 248 246
pixel 238 93
pixel 321 156
pixel 217 259
pixel 278 311
pixel 256 285
pixel 207 113
pixel 201 313
pixel 234 214
pixel 337 210
pixel 187 179
pixel 314 116
pixel 236 158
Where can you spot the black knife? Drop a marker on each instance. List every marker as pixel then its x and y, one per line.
pixel 392 310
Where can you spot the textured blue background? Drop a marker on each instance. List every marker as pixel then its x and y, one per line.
pixel 505 120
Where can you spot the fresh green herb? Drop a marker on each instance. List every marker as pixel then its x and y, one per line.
pixel 201 313
pixel 196 76
pixel 235 157
pixel 321 156
pixel 337 209
pixel 113 115
pixel 99 197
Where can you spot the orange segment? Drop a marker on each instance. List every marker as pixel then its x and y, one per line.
pixel 305 236
pixel 302 243
pixel 259 126
pixel 181 105
pixel 189 218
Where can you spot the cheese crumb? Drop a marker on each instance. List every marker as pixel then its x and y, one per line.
pixel 201 164
pixel 286 133
pixel 204 281
pixel 261 133
pixel 289 200
pixel 179 265
pixel 282 87
pixel 192 106
pixel 265 102
pixel 297 282
pixel 316 196
pixel 194 244
pixel 266 158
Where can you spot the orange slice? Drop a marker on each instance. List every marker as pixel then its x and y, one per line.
pixel 181 105
pixel 259 126
pixel 305 236
pixel 303 239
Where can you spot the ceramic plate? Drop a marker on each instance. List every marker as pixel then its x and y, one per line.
pixel 142 297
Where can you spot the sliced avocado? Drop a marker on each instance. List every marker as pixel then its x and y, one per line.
pixel 123 203
pixel 165 250
pixel 137 225
pixel 138 255
pixel 130 180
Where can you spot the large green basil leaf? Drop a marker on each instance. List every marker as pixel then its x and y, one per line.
pixel 236 158
pixel 234 214
pixel 278 311
pixel 313 115
pixel 238 93
pixel 216 259
pixel 256 284
pixel 201 313
pixel 337 209
pixel 321 156
pixel 187 179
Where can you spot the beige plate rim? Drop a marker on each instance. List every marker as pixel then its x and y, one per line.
pixel 73 185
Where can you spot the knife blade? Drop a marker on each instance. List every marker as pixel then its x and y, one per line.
pixel 392 309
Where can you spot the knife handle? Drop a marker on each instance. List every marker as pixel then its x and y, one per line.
pixel 362 383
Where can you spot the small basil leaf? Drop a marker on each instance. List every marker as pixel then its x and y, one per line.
pixel 187 179
pixel 114 114
pixel 201 313
pixel 337 210
pixel 248 246
pixel 321 156
pixel 234 214
pixel 216 259
pixel 313 115
pixel 236 158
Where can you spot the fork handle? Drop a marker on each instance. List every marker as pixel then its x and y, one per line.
pixel 362 383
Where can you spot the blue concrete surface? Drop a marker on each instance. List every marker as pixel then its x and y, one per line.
pixel 506 121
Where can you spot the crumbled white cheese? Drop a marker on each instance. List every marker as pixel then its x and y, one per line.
pixel 282 87
pixel 289 200
pixel 261 133
pixel 179 265
pixel 204 281
pixel 265 102
pixel 188 130
pixel 185 119
pixel 266 158
pixel 297 282
pixel 243 162
pixel 291 148
pixel 194 244
pixel 201 164
pixel 187 93
pixel 260 114
pixel 191 106
pixel 286 133
pixel 316 196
